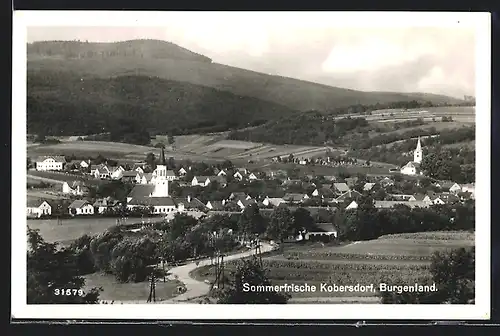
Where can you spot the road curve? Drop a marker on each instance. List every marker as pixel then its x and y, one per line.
pixel 194 288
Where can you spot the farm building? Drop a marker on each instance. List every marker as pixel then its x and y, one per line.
pixel 80 207
pixel 295 198
pixel 341 188
pixel 48 163
pixel 104 204
pixel 322 230
pixel 77 188
pixel 216 205
pixel 190 203
pixel 273 201
pixel 161 205
pixel 38 208
pixel 201 181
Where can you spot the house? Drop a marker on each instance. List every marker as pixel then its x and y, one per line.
pixel 48 163
pixel 131 176
pixel 160 205
pixel 100 172
pixel 295 198
pixel 385 182
pixel 37 208
pixel 352 205
pixel 239 175
pixel 448 198
pixel 449 186
pixel 391 204
pixel 182 172
pixel 252 177
pixel 80 207
pixel 72 165
pixel 222 172
pixel 273 201
pixel 216 205
pixel 402 197
pixel 139 170
pixel 85 164
pixel 351 194
pixel 201 181
pixel 104 204
pixel 470 188
pixel 116 173
pixel 368 186
pixel 239 195
pixel 322 229
pixel 341 188
pixel 146 178
pixel 464 195
pixel 77 188
pixel 244 203
pixel 323 192
pixel 190 203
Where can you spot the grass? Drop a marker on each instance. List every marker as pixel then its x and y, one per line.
pixel 114 290
pixel 71 229
pixel 392 257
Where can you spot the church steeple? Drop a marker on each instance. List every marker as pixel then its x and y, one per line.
pixel 417 155
pixel 162 157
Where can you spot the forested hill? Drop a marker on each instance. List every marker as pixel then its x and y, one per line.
pixel 60 103
pixel 171 62
pixel 91 50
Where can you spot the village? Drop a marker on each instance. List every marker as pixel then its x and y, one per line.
pixel 157 190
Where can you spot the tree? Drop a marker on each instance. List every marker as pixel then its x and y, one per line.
pixel 302 220
pixel 151 160
pixel 242 290
pixel 180 225
pixel 52 271
pixel 170 139
pixel 453 272
pixel 251 221
pixel 280 225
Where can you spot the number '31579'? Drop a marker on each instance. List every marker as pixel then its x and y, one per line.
pixel 68 292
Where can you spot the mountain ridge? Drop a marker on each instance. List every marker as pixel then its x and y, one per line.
pixel 172 62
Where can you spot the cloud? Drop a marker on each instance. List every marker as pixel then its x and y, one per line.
pixel 430 59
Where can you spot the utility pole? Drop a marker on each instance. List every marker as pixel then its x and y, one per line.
pixel 152 288
pixel 258 251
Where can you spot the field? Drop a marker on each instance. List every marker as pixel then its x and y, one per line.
pixel 71 229
pixel 113 290
pixel 389 258
pixel 324 170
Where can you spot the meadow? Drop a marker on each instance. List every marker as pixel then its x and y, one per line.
pixel 389 258
pixel 71 229
pixel 130 291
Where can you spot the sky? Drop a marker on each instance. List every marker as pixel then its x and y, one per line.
pixel 406 59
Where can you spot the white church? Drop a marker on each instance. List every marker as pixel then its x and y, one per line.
pixel 413 167
pixel 155 193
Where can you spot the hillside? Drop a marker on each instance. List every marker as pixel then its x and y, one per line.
pixel 60 103
pixel 171 62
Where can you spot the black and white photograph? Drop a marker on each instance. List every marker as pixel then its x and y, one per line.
pixel 176 160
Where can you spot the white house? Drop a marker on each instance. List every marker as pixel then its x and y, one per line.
pixel 352 205
pixel 222 173
pixel 450 186
pixel 216 205
pixel 80 207
pixel 239 175
pixel 471 188
pixel 100 172
pixel 85 164
pixel 38 208
pixel 182 171
pixel 139 170
pixel 274 201
pixel 116 173
pixel 201 181
pixel 145 178
pixel 160 205
pixel 77 188
pixel 252 177
pixel 47 163
pixel 322 229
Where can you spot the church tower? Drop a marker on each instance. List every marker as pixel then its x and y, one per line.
pixel 161 182
pixel 417 155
